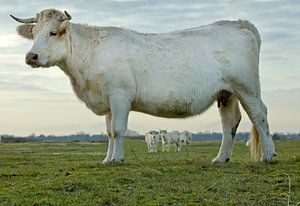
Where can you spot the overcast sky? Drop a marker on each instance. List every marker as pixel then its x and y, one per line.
pixel 41 101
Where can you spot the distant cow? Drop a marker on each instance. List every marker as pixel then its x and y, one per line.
pixel 152 139
pixel 248 143
pixel 189 137
pixel 175 138
pixel 176 75
pixel 170 138
pixel 185 138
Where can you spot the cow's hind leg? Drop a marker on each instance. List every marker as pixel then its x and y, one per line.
pixel 178 145
pixel 148 146
pixel 163 147
pixel 167 146
pixel 230 117
pixel 257 113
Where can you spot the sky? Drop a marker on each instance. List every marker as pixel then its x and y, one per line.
pixel 41 101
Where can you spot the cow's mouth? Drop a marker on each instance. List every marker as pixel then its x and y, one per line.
pixel 34 65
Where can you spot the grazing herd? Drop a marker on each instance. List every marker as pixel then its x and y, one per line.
pixel 176 138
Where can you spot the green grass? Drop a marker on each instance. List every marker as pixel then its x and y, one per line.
pixel 71 174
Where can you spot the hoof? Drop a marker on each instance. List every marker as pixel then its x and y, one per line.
pixel 114 161
pixel 105 161
pixel 219 160
pixel 268 158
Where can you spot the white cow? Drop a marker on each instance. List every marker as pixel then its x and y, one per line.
pixel 152 139
pixel 185 138
pixel 248 143
pixel 170 138
pixel 175 138
pixel 177 74
pixel 189 137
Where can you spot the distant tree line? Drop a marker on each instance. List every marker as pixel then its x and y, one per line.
pixel 79 137
pixel 83 137
pixel 278 136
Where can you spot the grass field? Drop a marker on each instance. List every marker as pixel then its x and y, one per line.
pixel 70 174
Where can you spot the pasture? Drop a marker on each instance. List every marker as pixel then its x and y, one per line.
pixel 71 174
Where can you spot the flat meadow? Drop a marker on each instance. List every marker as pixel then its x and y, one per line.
pixel 71 174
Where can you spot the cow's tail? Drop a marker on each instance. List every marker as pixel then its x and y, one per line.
pixel 254 144
pixel 244 24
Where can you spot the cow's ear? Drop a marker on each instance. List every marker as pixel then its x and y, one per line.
pixel 63 28
pixel 25 30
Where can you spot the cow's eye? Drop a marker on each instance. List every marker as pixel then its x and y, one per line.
pixel 53 33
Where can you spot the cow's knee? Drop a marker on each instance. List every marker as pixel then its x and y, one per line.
pixel 118 130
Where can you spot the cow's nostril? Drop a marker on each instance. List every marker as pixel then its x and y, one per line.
pixel 34 56
pixel 31 58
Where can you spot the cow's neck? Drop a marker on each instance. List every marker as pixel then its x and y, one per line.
pixel 79 59
pixel 83 43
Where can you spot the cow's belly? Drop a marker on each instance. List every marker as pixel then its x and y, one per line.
pixel 175 107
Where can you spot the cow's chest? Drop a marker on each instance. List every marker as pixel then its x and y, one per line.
pixel 91 93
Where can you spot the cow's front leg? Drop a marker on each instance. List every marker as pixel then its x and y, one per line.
pixel 168 147
pixel 110 140
pixel 178 146
pixel 163 147
pixel 120 107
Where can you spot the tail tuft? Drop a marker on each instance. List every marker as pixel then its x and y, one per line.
pixel 254 144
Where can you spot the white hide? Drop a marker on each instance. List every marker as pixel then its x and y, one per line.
pixel 177 74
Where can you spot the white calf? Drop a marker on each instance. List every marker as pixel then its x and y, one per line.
pixel 189 137
pixel 185 138
pixel 152 140
pixel 168 138
pixel 248 143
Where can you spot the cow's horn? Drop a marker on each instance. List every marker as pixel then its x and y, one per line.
pixel 26 21
pixel 68 15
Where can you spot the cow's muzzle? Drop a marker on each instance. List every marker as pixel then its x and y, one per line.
pixel 31 58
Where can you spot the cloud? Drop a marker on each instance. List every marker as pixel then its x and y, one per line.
pixel 47 93
pixel 9 40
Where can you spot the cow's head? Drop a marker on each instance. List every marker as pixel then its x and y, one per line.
pixel 163 134
pixel 189 137
pixel 48 32
pixel 157 136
